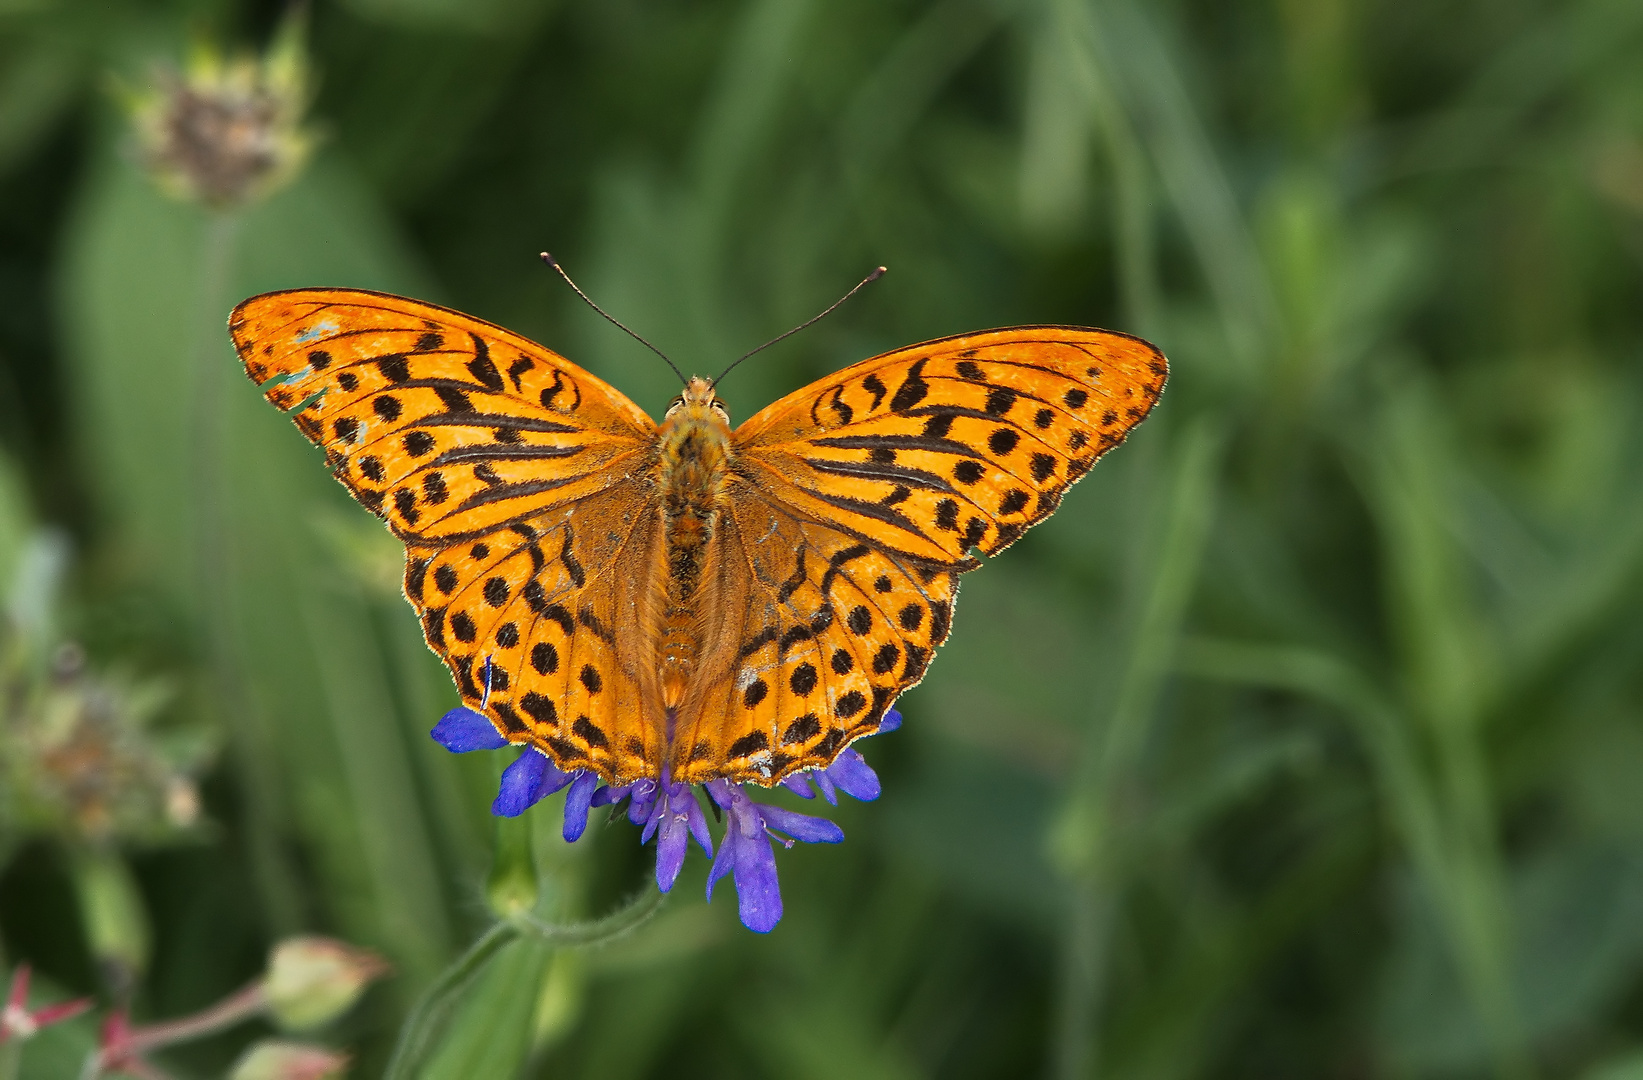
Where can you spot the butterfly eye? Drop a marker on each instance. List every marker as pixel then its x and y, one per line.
pixel 674 406
pixel 719 407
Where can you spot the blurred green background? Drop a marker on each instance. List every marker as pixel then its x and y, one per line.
pixel 1305 741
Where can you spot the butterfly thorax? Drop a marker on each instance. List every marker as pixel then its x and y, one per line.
pixel 693 453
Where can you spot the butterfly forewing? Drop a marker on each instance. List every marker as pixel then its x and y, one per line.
pixel 954 444
pixel 444 425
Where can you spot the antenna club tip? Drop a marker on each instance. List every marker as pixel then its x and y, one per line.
pixel 547 258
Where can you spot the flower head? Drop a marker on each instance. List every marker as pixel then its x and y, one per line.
pixel 228 130
pixel 670 811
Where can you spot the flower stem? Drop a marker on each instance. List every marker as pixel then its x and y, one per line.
pixel 624 920
pixel 240 1006
pixel 126 1053
pixel 428 1015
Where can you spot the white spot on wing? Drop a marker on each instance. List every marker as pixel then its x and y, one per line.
pixel 318 330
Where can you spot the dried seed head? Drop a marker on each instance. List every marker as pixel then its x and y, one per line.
pixel 228 131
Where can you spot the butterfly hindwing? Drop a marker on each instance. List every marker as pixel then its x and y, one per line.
pixel 556 605
pixel 961 443
pixel 819 632
pixel 444 425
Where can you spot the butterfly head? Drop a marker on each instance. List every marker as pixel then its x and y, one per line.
pixel 698 401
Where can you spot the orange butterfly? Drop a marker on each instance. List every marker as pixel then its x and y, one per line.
pixel 633 598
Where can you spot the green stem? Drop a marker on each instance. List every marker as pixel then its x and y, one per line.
pixel 622 921
pixel 428 1015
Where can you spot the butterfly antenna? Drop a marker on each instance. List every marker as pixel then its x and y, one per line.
pixel 551 261
pixel 874 276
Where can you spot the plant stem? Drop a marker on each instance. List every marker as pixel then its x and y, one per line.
pixel 126 1053
pixel 428 1015
pixel 240 1006
pixel 624 920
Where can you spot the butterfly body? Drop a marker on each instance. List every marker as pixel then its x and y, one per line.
pixel 635 598
pixel 693 465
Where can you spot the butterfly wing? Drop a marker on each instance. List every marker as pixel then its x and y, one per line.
pixel 475 445
pixel 444 425
pixel 858 503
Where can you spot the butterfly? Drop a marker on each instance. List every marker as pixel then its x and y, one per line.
pixel 636 598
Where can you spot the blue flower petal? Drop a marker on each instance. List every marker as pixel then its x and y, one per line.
pixel 891 721
pixel 799 784
pixel 644 799
pixel 670 854
pixel 758 894
pixel 812 830
pixel 530 779
pixel 462 729
pixel 824 784
pixel 610 796
pixel 578 800
pixel 697 822
pixel 853 775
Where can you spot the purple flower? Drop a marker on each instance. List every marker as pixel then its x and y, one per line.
pixel 670 812
pixel 745 850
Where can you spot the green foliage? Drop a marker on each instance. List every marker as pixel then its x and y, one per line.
pixel 1303 741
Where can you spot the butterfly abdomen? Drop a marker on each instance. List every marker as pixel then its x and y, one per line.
pixel 693 455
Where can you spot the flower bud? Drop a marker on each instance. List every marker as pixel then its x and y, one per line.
pixel 313 980
pixel 274 1059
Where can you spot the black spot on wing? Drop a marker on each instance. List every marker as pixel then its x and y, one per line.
pixel 541 709
pixel 590 733
pixel 912 390
pixel 482 368
pixel 568 558
pixel 803 729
